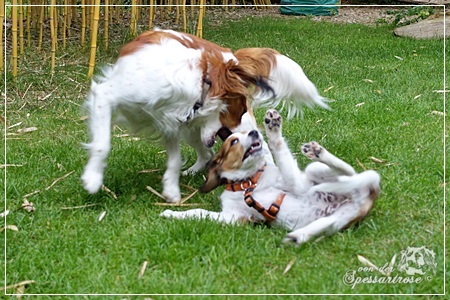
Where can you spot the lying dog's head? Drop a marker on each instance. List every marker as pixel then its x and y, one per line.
pixel 240 157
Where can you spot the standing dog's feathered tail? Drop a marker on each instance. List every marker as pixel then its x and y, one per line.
pixel 291 86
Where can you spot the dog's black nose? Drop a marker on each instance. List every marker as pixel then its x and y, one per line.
pixel 253 133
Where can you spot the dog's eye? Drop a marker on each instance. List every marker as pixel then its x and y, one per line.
pixel 234 141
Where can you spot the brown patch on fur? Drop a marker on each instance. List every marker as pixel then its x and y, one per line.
pixel 155 37
pixel 230 82
pixel 374 192
pixel 257 60
pixel 228 158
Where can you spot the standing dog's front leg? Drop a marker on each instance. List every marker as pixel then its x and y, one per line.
pixel 200 214
pixel 292 176
pixel 171 188
pixel 100 128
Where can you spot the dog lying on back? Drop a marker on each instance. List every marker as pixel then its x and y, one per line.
pixel 173 86
pixel 326 198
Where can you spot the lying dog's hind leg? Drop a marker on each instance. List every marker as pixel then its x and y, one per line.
pixel 200 214
pixel 326 166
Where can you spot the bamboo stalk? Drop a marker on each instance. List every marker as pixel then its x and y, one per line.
pixel 193 2
pixel 41 25
pixel 2 18
pixel 83 22
pixel 65 18
pixel 20 8
pixel 106 24
pixel 200 18
pixel 94 31
pixel 151 13
pixel 29 17
pixel 177 11
pixel 183 2
pixel 55 22
pixel 133 18
pixel 92 13
pixel 14 36
pixel 52 32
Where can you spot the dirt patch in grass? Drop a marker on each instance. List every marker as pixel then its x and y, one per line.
pixel 347 15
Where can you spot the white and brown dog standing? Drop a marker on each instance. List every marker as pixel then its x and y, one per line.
pixel 327 197
pixel 172 86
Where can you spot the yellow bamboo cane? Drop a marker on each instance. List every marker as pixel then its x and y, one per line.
pixel 83 21
pixel 193 2
pixel 52 32
pixel 177 11
pixel 183 2
pixel 106 24
pixel 55 22
pixel 151 13
pixel 29 17
pixel 200 18
pixel 20 10
pixel 2 18
pixel 41 25
pixel 14 36
pixel 94 31
pixel 133 18
pixel 65 18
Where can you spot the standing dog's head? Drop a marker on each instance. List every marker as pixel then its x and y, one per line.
pixel 239 158
pixel 229 82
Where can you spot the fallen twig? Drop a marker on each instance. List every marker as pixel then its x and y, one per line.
pixel 438 113
pixel 188 197
pixel 11 227
pixel 58 179
pixel 105 189
pixel 26 130
pixel 142 271
pixel 48 95
pixel 102 215
pixel 31 194
pixel 149 171
pixel 14 125
pixel 289 266
pixel 155 192
pixel 16 285
pixel 10 165
pixel 79 206
pixel 361 164
pixel 377 160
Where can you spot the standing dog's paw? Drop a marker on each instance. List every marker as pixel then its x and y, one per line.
pixel 272 123
pixel 312 150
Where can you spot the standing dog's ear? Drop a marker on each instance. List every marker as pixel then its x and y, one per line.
pixel 213 179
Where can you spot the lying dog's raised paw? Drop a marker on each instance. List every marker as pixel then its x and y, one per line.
pixel 312 150
pixel 272 120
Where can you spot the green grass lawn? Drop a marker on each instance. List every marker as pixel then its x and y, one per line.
pixel 384 106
